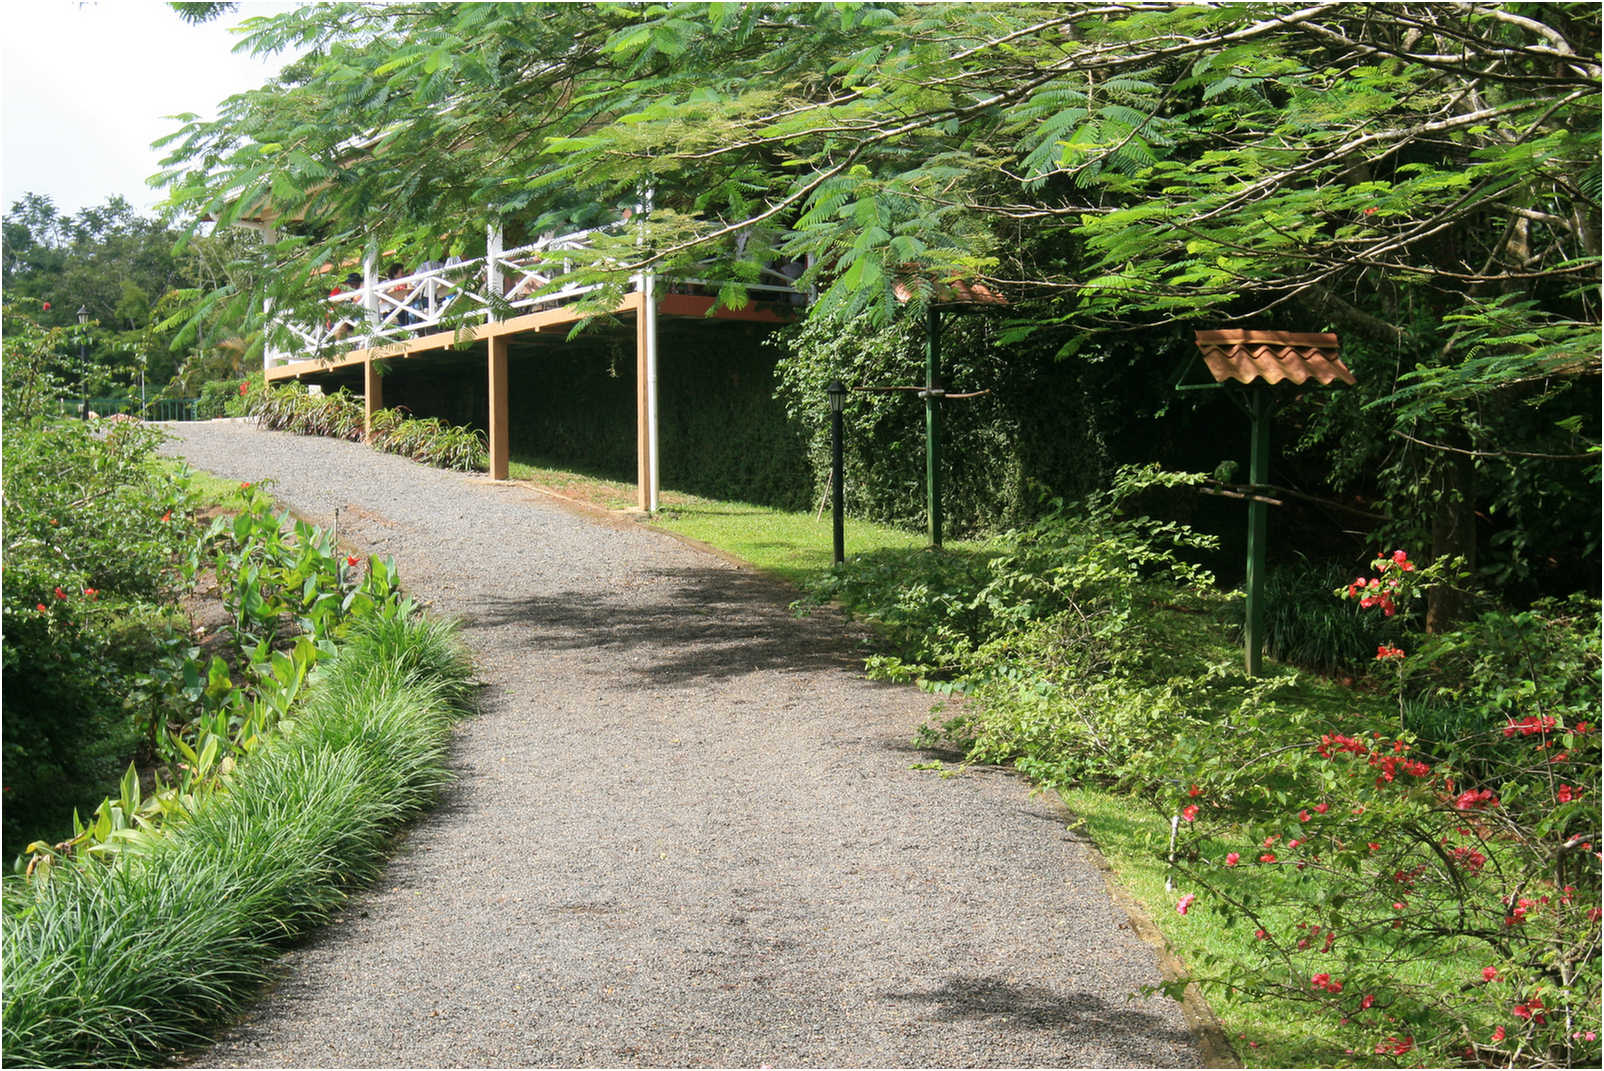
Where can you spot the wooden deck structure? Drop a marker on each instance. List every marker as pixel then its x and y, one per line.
pixel 445 306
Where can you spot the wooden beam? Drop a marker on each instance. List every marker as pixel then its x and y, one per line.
pixel 372 397
pixel 499 438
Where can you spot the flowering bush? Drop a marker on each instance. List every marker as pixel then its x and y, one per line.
pixel 1381 853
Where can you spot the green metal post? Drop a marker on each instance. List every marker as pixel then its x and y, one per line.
pixel 1258 527
pixel 933 423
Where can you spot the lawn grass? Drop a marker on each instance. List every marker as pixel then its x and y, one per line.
pixel 794 546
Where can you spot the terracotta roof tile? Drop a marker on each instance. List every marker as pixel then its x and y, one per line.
pixel 951 292
pixel 1272 356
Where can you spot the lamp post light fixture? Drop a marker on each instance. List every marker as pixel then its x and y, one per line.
pixel 838 397
pixel 83 363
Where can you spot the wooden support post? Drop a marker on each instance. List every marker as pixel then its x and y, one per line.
pixel 643 436
pixel 499 448
pixel 372 397
pixel 1258 528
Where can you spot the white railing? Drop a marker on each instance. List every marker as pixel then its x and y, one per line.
pixel 440 297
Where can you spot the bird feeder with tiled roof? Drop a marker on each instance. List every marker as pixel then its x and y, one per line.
pixel 953 294
pixel 1255 369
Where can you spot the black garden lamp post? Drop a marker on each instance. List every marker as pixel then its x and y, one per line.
pixel 838 398
pixel 83 363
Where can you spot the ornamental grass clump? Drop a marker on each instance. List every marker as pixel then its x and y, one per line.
pixel 127 960
pixel 339 415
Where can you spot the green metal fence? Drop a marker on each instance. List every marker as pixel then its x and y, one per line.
pixel 154 409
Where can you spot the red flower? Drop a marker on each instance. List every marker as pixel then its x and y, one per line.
pixel 1261 935
pixel 1473 799
pixel 167 516
pixel 1566 793
pixel 1321 808
pixel 91 592
pixel 1489 974
pixel 1371 210
pixel 42 608
pixel 1189 812
pixel 246 486
pixel 1498 1033
pixel 351 559
pixel 1370 998
pixel 60 594
pixel 47 306
pixel 1232 858
pixel 1387 652
pixel 1267 857
pixel 1194 791
pixel 1185 903
pixel 243 387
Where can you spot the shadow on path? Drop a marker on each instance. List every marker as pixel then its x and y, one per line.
pixel 967 998
pixel 684 625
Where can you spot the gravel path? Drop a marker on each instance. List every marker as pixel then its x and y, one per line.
pixel 685 831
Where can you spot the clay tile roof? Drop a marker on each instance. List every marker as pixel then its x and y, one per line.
pixel 1273 356
pixel 951 292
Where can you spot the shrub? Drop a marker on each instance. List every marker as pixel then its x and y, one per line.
pixel 94 527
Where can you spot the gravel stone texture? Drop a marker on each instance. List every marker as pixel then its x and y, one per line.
pixel 685 829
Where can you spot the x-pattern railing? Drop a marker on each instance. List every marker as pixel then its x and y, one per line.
pixel 457 292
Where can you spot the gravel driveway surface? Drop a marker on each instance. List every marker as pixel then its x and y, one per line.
pixel 685 830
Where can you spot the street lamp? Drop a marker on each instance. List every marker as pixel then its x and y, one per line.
pixel 83 363
pixel 838 397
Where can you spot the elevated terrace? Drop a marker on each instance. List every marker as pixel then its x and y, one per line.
pixel 504 298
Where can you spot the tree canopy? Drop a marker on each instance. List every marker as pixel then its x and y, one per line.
pixel 1423 178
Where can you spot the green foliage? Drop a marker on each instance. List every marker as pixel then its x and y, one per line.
pixel 1423 182
pixel 94 527
pixel 109 963
pixel 340 416
pixel 1303 627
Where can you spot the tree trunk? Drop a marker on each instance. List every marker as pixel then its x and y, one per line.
pixel 1453 534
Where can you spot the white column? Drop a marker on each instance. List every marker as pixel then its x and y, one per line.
pixel 370 286
pixel 493 248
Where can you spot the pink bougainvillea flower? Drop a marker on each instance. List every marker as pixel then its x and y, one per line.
pixel 1232 858
pixel 1184 905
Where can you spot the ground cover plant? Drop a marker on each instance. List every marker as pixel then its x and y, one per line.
pixel 285 758
pixel 339 415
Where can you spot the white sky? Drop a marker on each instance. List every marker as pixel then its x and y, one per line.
pixel 84 88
